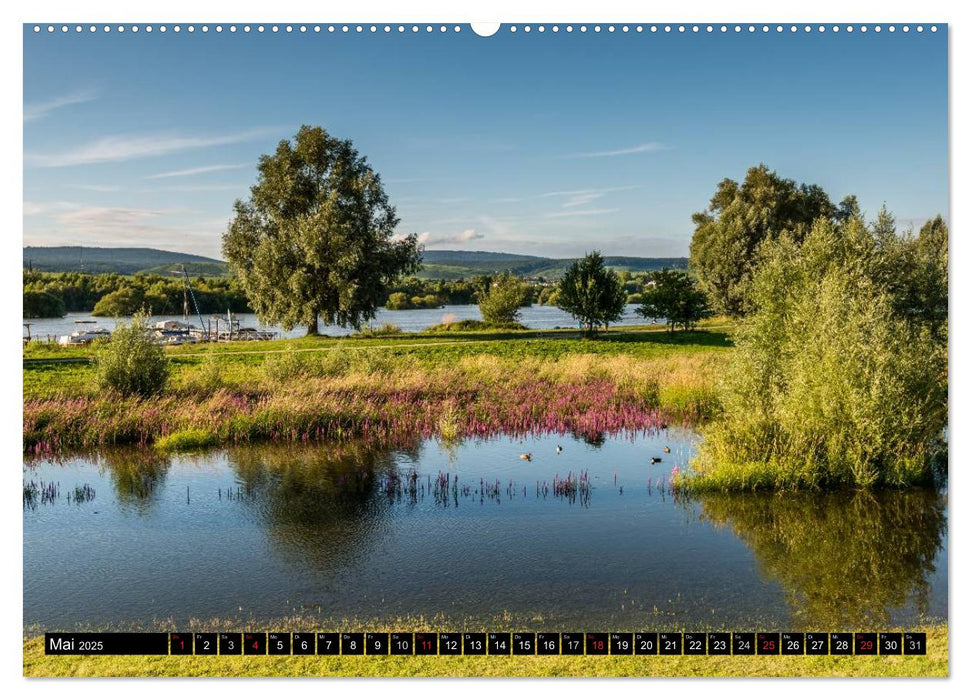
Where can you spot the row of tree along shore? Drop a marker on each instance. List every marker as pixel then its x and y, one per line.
pixel 53 294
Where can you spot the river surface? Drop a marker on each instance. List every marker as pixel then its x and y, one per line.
pixel 587 538
pixel 538 317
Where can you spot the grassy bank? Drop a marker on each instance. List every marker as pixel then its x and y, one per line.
pixel 934 664
pixel 401 387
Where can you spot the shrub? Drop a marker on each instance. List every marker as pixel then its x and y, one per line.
pixel 333 363
pixel 398 301
pixel 449 424
pixel 186 440
pixel 473 325
pixel 207 378
pixel 131 362
pixel 384 329
pixel 374 362
pixel 284 366
pixel 501 303
pixel 830 384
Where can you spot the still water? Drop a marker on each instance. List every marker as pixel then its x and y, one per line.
pixel 414 320
pixel 589 537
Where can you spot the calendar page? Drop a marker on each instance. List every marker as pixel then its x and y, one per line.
pixel 524 349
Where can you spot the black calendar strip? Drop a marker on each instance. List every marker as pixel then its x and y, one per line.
pixel 488 643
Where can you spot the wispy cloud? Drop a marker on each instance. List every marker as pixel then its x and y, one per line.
pixel 36 208
pixel 195 171
pixel 98 188
pixel 579 198
pixel 102 218
pixel 74 223
pixel 241 189
pixel 121 225
pixel 39 110
pixel 571 198
pixel 111 149
pixel 650 147
pixel 580 212
pixel 430 239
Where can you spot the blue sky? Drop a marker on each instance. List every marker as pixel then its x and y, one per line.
pixel 548 144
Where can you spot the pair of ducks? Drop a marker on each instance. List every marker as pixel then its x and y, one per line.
pixel 656 460
pixel 528 456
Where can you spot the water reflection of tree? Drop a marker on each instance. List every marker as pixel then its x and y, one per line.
pixel 845 559
pixel 136 474
pixel 594 438
pixel 322 503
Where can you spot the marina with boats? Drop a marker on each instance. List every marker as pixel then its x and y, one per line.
pixel 167 332
pixel 216 328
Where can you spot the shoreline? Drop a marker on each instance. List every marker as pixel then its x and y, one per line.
pixel 387 390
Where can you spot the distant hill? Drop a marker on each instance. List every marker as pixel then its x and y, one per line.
pixel 126 261
pixel 437 264
pixel 452 264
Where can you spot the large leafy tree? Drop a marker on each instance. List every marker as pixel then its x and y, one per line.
pixel 740 217
pixel 315 240
pixel 591 292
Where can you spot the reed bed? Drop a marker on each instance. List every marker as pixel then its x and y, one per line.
pixel 387 398
pixel 47 493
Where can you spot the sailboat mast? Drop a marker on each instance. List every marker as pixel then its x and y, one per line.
pixel 187 290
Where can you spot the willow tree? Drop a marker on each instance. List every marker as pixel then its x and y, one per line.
pixel 839 376
pixel 739 218
pixel 315 240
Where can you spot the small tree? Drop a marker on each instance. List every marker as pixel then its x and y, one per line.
pixel 591 292
pixel 501 303
pixel 675 298
pixel 131 362
pixel 121 302
pixel 398 301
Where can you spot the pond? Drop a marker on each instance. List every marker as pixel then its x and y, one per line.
pixel 411 321
pixel 588 537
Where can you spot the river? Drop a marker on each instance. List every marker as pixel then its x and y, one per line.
pixel 413 320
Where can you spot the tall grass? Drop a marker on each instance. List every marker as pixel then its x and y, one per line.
pixel 378 397
pixel 338 389
pixel 186 440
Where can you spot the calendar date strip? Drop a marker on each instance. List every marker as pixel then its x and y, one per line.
pixel 486 643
